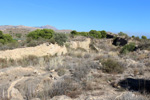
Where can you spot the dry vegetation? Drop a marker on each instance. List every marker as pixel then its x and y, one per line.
pixel 101 72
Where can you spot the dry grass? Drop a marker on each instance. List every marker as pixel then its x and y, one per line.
pixel 49 62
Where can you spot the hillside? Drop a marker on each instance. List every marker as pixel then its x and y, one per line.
pixel 93 65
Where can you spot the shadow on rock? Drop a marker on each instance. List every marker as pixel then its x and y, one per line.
pixel 140 85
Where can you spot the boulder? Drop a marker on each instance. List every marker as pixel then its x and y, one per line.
pixel 109 36
pixel 16 95
pixel 81 44
pixel 119 41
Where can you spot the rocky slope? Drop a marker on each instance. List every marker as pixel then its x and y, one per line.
pixel 75 72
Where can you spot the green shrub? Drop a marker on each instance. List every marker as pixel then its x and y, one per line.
pixel 137 38
pixel 92 33
pixel 128 48
pixel 5 38
pixel 133 36
pixel 111 66
pixel 2 41
pixel 122 34
pixel 44 33
pixel 144 37
pixel 83 33
pixel 60 38
pixel 18 35
pixel 34 34
pixel 74 32
pixel 103 33
pixel 1 34
pixel 95 34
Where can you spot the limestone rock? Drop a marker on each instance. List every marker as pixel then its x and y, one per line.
pixel 81 44
pixel 41 50
pixel 16 95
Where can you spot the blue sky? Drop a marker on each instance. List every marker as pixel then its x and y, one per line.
pixel 130 16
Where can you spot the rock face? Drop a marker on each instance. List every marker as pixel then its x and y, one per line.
pixel 81 44
pixel 109 36
pixel 41 50
pixel 119 41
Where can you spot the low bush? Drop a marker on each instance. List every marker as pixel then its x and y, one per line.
pixel 144 44
pixel 60 38
pixel 11 45
pixel 61 71
pixel 122 34
pixel 111 66
pixel 137 38
pixel 65 87
pixel 92 33
pixel 128 48
pixel 83 33
pixel 95 34
pixel 18 35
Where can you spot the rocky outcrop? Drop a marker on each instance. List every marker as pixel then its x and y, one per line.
pixel 41 50
pixel 119 41
pixel 109 36
pixel 81 44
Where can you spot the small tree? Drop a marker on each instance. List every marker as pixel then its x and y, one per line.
pixel 74 32
pixel 133 36
pixel 144 37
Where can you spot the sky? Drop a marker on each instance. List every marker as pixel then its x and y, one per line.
pixel 129 16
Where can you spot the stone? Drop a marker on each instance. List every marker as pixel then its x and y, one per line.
pixel 119 41
pixel 16 95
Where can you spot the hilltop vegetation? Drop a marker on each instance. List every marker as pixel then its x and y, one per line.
pixel 5 38
pixel 40 36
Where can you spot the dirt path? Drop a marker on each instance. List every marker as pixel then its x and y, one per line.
pixel 12 86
